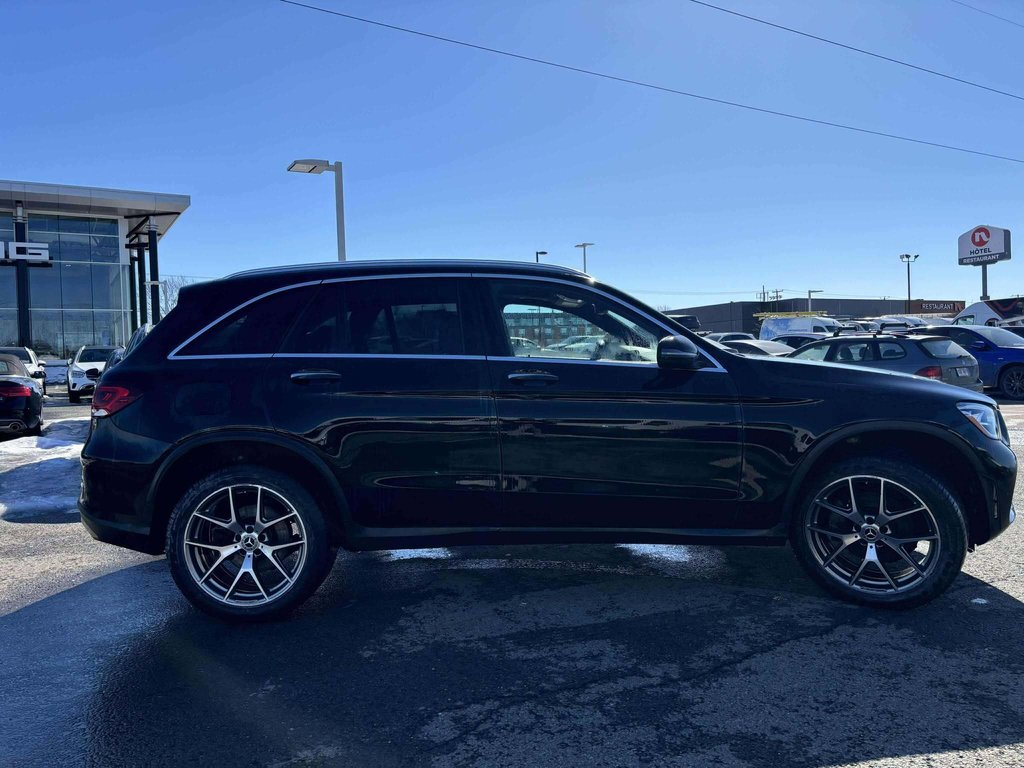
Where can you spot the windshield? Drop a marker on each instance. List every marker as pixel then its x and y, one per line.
pixel 999 336
pixel 95 355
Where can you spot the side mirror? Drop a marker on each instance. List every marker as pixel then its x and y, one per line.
pixel 38 375
pixel 678 353
pixel 42 363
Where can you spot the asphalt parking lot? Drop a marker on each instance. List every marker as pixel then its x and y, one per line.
pixel 498 656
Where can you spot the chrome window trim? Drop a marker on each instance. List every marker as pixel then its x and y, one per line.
pixel 371 356
pixel 174 352
pixel 717 366
pixel 571 360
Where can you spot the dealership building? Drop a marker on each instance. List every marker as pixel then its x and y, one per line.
pixel 79 265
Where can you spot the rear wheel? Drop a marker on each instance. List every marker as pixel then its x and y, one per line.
pixel 247 544
pixel 880 532
pixel 1011 382
pixel 74 397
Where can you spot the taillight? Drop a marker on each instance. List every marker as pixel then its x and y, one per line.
pixel 16 390
pixel 108 400
pixel 931 372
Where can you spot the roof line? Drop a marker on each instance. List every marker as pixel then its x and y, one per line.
pixel 461 263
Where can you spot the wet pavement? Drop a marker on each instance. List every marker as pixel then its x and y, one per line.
pixel 505 656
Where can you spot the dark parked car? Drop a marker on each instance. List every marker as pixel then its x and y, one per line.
pixel 278 414
pixel 1000 354
pixel 933 357
pixel 689 322
pixel 35 367
pixel 21 399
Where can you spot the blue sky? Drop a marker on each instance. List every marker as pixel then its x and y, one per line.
pixel 455 153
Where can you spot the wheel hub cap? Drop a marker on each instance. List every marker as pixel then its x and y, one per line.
pixel 250 542
pixel 870 532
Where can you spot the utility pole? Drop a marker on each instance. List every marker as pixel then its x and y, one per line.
pixel 809 298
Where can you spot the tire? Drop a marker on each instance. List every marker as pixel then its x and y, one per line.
pixel 227 572
pixel 854 554
pixel 74 398
pixel 1011 382
pixel 36 431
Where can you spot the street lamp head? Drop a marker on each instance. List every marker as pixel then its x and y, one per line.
pixel 541 253
pixel 583 245
pixel 309 166
pixel 906 258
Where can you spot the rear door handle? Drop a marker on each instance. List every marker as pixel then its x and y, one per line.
pixel 306 376
pixel 532 377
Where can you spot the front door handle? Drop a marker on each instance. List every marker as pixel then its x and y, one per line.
pixel 308 375
pixel 532 377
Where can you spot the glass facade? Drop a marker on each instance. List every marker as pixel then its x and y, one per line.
pixel 82 298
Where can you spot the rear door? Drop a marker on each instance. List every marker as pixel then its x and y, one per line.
pixel 386 379
pixel 986 355
pixel 594 434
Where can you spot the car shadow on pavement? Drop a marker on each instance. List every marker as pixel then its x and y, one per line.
pixel 539 655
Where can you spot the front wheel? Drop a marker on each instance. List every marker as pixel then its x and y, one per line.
pixel 1011 382
pixel 880 532
pixel 74 398
pixel 247 544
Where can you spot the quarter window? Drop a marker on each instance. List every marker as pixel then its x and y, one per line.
pixel 254 329
pixel 592 328
pixel 854 352
pixel 421 316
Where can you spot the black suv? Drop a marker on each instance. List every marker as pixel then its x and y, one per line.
pixel 276 415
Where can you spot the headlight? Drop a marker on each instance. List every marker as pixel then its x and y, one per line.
pixel 983 417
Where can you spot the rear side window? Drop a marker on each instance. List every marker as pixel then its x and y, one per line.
pixel 421 316
pixel 255 329
pixel 889 350
pixel 854 352
pixel 943 349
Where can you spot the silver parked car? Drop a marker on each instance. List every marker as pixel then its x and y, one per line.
pixel 933 357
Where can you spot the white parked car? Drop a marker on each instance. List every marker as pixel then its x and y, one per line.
pixel 84 370
pixel 780 326
pixel 36 368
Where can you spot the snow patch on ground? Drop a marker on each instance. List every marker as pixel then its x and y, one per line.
pixel 41 475
pixel 672 553
pixel 416 554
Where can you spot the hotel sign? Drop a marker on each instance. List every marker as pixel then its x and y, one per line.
pixel 25 251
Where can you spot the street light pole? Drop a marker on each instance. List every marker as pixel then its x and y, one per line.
pixel 809 299
pixel 584 246
pixel 538 254
pixel 908 259
pixel 318 167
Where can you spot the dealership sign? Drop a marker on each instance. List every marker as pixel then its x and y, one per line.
pixel 26 251
pixel 983 245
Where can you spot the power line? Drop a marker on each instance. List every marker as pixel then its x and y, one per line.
pixel 652 86
pixel 994 16
pixel 880 56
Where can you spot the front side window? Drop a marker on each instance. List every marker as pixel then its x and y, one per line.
pixel 596 328
pixel 415 316
pixel 816 352
pixel 255 329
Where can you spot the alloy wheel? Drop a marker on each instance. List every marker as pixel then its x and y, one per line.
pixel 873 535
pixel 1013 383
pixel 245 545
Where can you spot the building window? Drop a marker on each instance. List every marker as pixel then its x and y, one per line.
pixel 8 288
pixel 48 333
pixel 44 287
pixel 75 286
pixel 8 327
pixel 106 286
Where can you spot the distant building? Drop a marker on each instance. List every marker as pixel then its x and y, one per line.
pixel 739 315
pixel 73 263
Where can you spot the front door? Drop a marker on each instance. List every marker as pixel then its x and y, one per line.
pixel 385 379
pixel 593 433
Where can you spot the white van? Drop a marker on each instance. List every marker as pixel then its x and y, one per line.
pixel 993 312
pixel 776 326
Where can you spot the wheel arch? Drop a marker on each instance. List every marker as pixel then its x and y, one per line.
pixel 937 447
pixel 202 455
